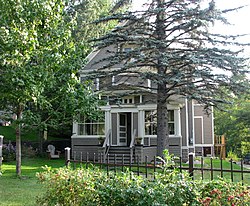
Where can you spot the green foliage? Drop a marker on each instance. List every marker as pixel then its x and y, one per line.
pixel 167 161
pixel 232 155
pixel 93 187
pixel 233 122
pixel 245 148
pixel 86 12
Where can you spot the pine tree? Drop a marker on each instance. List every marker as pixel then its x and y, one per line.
pixel 174 48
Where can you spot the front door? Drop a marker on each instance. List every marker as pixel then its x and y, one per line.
pixel 122 130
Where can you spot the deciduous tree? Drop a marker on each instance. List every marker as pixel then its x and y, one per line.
pixel 38 62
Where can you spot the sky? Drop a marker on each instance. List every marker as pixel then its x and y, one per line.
pixel 239 19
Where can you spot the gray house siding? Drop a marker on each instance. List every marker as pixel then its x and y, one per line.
pixel 198 130
pixel 149 99
pixel 82 146
pixel 135 123
pixel 206 129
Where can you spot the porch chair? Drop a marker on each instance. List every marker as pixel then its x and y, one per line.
pixel 52 152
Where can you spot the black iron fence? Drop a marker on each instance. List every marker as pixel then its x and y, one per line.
pixel 198 168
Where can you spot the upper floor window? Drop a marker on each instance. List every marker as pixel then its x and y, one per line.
pixel 128 100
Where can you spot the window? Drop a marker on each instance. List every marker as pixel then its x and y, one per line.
pixel 171 122
pixel 128 100
pixel 91 127
pixel 151 122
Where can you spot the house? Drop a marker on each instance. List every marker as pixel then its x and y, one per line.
pixel 130 112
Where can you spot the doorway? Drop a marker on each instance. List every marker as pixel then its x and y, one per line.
pixel 124 129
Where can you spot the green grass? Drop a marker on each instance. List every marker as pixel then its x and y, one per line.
pixel 23 191
pixel 226 165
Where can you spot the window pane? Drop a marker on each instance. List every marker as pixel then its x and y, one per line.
pixel 91 127
pixel 151 122
pixel 171 115
pixel 171 128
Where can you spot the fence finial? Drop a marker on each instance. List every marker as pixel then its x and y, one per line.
pixel 191 164
pixel 67 156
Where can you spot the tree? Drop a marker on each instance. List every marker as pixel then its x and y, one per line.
pixel 66 97
pixel 86 12
pixel 41 53
pixel 36 44
pixel 174 48
pixel 233 122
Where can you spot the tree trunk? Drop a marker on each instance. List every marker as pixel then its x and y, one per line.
pixel 162 121
pixel 162 112
pixel 18 145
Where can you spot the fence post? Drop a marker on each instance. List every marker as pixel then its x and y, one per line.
pixel 1 151
pixel 67 156
pixel 191 164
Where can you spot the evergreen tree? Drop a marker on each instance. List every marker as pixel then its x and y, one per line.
pixel 174 48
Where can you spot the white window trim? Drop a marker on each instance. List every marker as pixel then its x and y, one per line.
pixel 97 84
pixel 177 124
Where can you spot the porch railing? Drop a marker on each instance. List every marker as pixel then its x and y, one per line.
pixel 132 143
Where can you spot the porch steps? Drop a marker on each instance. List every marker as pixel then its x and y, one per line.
pixel 120 155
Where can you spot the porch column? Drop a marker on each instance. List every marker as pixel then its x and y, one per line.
pixel 107 119
pixel 140 124
pixel 74 129
pixel 177 115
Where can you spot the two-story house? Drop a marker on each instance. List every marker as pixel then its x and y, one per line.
pixel 130 114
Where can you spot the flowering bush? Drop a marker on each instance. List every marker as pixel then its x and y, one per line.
pixel 222 192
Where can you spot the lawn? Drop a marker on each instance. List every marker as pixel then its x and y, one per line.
pixel 226 165
pixel 18 192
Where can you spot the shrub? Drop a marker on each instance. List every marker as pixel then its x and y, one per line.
pixel 92 186
pixel 232 155
pixel 223 192
pixel 28 151
pixel 8 152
